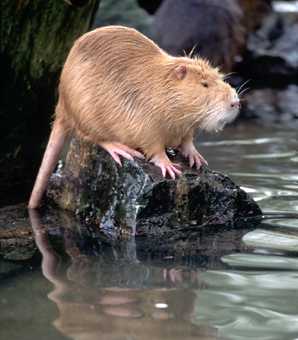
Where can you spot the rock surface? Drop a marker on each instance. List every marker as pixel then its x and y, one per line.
pixel 272 105
pixel 211 28
pixel 254 12
pixel 67 235
pixel 135 198
pixel 16 236
pixel 273 49
pixel 17 246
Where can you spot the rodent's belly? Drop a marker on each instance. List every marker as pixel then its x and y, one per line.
pixel 174 145
pixel 109 125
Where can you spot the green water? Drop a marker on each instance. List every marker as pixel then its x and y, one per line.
pixel 233 284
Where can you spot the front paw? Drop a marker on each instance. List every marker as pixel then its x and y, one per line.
pixel 166 166
pixel 194 157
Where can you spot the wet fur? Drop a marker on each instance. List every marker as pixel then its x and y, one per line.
pixel 119 86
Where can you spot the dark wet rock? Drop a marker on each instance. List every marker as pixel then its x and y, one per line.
pixel 272 62
pixel 8 268
pixel 213 29
pixel 90 284
pixel 17 246
pixel 272 105
pixel 149 5
pixel 254 12
pixel 16 236
pixel 91 251
pixel 273 50
pixel 135 197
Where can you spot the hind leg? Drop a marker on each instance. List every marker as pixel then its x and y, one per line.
pixel 116 150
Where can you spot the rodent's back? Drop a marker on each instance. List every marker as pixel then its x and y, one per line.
pixel 119 86
pixel 107 77
pixel 119 41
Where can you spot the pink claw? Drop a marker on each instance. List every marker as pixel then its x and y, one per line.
pixel 166 166
pixel 195 158
pixel 116 149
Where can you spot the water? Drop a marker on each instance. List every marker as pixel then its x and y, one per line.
pixel 232 284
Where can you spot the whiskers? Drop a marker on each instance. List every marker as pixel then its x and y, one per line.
pixel 242 89
pixel 228 75
pixel 191 52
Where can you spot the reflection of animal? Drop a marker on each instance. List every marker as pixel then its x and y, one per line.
pixel 120 90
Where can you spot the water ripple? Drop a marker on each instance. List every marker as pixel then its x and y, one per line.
pixel 272 239
pixel 261 261
pixel 271 155
pixel 244 141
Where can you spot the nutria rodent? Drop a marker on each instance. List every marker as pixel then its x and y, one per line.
pixel 120 90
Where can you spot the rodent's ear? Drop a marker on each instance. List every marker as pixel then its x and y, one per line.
pixel 180 71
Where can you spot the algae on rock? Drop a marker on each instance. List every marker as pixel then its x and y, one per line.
pixel 135 198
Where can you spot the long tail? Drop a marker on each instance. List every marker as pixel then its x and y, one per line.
pixel 49 161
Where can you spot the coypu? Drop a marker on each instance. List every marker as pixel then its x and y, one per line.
pixel 118 89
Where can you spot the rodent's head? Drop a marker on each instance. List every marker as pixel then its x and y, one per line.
pixel 209 99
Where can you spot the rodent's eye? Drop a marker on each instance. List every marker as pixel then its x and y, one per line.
pixel 204 83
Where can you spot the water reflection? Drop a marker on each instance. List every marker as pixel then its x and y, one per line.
pixel 218 283
pixel 249 305
pixel 265 167
pixel 93 303
pixel 115 292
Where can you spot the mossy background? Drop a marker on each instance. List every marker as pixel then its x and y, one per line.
pixel 36 36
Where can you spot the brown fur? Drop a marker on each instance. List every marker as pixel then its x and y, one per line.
pixel 119 86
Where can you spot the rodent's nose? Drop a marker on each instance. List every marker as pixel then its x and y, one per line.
pixel 235 104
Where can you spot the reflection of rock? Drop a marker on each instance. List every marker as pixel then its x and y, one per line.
pixel 8 268
pixel 203 248
pixel 17 246
pixel 119 199
pixel 102 296
pixel 272 105
pixel 273 49
pixel 212 27
pixel 131 262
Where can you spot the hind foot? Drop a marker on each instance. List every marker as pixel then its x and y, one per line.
pixel 189 151
pixel 167 167
pixel 118 149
